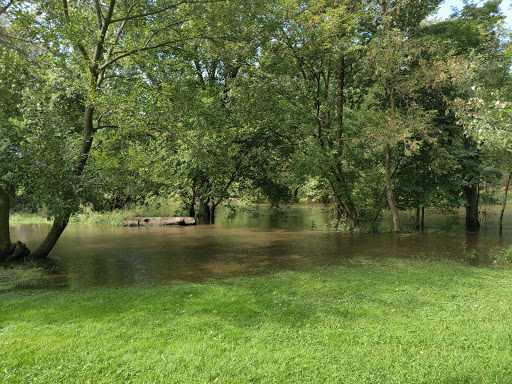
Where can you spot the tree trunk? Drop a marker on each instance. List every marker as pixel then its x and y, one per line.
pixel 352 215
pixel 60 223
pixel 192 209
pixel 422 220
pixel 471 193
pixel 204 213
pixel 44 249
pixel 417 220
pixel 389 191
pixel 339 206
pixel 337 212
pixel 5 237
pixel 212 213
pixel 374 219
pixel 502 213
pixel 8 250
pixel 340 102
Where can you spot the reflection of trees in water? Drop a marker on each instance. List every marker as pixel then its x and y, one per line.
pixel 90 256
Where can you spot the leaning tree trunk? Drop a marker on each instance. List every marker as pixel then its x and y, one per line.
pixel 352 215
pixel 44 249
pixel 502 213
pixel 337 212
pixel 60 223
pixel 389 191
pixel 471 194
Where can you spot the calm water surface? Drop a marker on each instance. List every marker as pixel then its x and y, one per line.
pixel 247 243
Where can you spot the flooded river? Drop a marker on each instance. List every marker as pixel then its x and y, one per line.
pixel 250 242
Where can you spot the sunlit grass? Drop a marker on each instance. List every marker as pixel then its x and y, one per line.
pixel 395 321
pixel 27 218
pixel 113 218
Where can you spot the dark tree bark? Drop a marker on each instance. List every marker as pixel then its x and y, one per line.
pixel 5 238
pixel 212 213
pixel 8 250
pixel 204 213
pixel 422 229
pixel 192 209
pixel 502 213
pixel 471 194
pixel 420 218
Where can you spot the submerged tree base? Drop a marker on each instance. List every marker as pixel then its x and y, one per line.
pixel 17 251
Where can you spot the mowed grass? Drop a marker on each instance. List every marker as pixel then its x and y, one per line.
pixel 392 321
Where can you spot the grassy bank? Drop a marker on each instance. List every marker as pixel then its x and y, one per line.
pixel 395 321
pixel 112 218
pixel 27 218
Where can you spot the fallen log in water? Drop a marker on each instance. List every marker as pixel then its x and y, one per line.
pixel 157 221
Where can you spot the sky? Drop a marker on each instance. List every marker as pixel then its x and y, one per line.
pixel 445 9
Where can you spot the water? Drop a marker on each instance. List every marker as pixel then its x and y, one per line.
pixel 251 242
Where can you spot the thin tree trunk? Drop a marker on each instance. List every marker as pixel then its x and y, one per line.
pixel 389 176
pixel 337 211
pixel 389 191
pixel 192 209
pixel 374 219
pixel 504 204
pixel 340 102
pixel 87 139
pixel 417 220
pixel 422 219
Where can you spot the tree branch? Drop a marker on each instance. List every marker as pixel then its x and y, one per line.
pixel 6 7
pixel 79 45
pixel 101 38
pixel 156 31
pixel 118 34
pixel 154 12
pixel 143 49
pixel 99 16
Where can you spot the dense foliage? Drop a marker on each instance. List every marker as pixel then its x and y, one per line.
pixel 364 105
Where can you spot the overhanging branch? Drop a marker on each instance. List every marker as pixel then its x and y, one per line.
pixel 143 49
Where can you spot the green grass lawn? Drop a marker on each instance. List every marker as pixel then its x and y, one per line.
pixel 393 321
